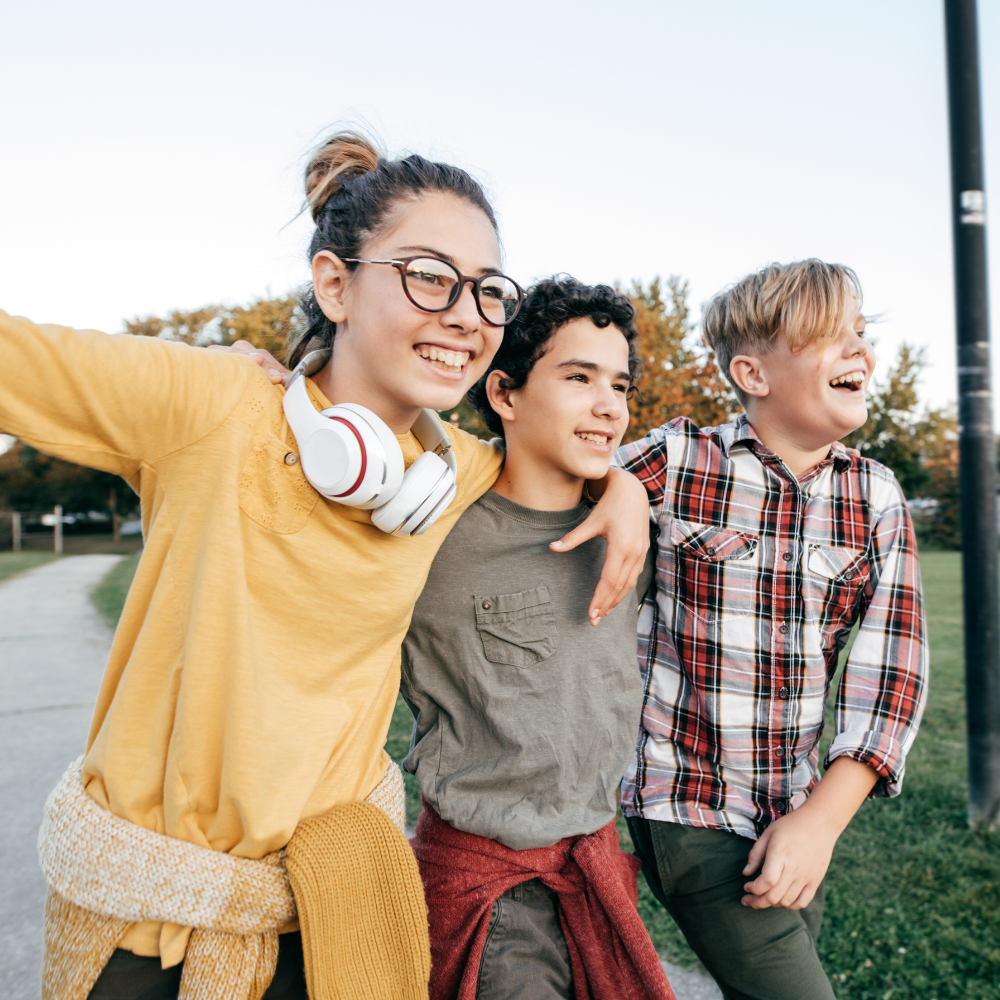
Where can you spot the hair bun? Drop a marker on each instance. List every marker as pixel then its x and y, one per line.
pixel 342 155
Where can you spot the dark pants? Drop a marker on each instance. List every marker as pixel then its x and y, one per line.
pixel 133 977
pixel 525 955
pixel 697 874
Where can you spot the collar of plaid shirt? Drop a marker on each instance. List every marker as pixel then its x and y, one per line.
pixel 759 580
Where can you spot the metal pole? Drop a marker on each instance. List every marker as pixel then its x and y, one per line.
pixel 57 537
pixel 15 530
pixel 977 442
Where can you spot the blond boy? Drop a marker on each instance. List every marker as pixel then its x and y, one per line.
pixel 774 540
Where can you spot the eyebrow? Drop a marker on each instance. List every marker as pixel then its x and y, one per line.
pixel 432 252
pixel 591 366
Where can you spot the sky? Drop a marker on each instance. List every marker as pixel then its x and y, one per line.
pixel 151 155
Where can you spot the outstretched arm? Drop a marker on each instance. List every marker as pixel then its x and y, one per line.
pixel 110 402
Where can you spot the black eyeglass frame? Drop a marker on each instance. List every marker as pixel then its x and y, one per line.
pixel 402 263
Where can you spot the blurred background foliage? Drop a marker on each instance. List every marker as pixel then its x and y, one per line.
pixel 680 378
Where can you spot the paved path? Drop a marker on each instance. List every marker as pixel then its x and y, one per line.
pixel 53 646
pixel 691 985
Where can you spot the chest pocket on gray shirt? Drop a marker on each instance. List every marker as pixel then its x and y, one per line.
pixel 517 629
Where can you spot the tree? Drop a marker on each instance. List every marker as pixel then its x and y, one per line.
pixel 265 323
pixel 30 480
pixel 894 431
pixel 920 446
pixel 680 378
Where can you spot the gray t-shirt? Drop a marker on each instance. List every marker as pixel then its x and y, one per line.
pixel 526 715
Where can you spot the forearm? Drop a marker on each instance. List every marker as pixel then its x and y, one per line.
pixel 794 852
pixel 839 794
pixel 621 517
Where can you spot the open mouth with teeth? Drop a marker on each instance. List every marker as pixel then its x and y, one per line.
pixel 851 382
pixel 439 357
pixel 601 439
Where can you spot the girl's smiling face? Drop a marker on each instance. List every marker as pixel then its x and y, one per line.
pixel 389 355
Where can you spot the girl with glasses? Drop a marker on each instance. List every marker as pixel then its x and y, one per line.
pixel 234 790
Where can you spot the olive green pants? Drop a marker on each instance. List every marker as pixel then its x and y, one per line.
pixel 697 874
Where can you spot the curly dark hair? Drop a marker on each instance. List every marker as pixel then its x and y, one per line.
pixel 551 304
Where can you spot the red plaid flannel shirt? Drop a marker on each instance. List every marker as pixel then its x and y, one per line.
pixel 759 580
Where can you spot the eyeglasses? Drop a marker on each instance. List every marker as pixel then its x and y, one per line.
pixel 434 285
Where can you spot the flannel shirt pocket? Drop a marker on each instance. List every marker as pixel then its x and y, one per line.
pixel 517 629
pixel 835 563
pixel 835 577
pixel 716 570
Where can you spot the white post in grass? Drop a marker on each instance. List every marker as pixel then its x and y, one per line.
pixel 15 531
pixel 57 537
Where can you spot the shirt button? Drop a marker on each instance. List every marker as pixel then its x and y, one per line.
pixel 779 751
pixel 291 458
pixel 787 556
pixel 487 605
pixel 783 629
pixel 710 551
pixel 783 694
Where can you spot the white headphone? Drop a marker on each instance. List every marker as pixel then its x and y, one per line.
pixel 351 456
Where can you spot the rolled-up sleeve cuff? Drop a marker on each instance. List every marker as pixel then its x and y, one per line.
pixel 881 752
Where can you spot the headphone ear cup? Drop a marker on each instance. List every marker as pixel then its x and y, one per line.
pixel 330 459
pixel 378 466
pixel 427 489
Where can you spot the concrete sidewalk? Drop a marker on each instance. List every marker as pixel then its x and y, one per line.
pixel 53 647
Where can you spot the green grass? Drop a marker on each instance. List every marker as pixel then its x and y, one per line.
pixel 17 562
pixel 109 595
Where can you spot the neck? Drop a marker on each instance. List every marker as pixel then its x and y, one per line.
pixel 799 456
pixel 342 381
pixel 527 481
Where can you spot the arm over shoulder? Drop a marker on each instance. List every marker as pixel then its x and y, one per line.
pixel 112 402
pixel 649 460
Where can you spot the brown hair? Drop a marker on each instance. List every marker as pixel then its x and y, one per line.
pixel 806 302
pixel 351 187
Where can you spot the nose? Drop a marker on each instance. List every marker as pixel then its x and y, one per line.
pixel 609 403
pixel 463 316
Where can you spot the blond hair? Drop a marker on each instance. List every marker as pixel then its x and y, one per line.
pixel 806 302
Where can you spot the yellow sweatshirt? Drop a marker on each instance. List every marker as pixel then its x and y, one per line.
pixel 256 663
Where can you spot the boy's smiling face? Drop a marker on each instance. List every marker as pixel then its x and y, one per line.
pixel 811 398
pixel 564 424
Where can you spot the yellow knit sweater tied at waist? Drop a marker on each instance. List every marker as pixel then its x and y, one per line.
pixel 353 874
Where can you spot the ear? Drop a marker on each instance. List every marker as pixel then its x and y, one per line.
pixel 500 399
pixel 748 373
pixel 329 280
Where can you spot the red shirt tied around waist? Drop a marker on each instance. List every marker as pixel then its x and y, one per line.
pixel 595 880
